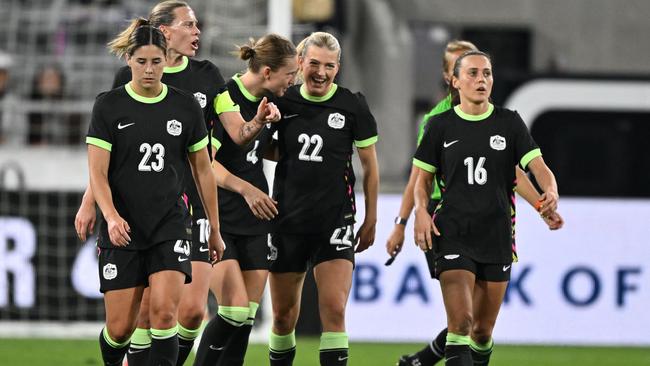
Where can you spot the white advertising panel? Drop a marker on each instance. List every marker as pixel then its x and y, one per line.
pixel 588 283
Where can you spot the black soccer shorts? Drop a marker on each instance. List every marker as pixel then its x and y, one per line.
pixel 491 272
pixel 251 251
pixel 295 252
pixel 121 268
pixel 200 233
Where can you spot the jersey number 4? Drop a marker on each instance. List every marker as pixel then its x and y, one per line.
pixel 145 164
pixel 476 174
pixel 306 142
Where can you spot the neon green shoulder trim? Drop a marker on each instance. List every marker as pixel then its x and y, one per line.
pixel 99 143
pixel 526 159
pixel 146 100
pixel 424 166
pixel 442 106
pixel 199 145
pixel 311 98
pixel 367 142
pixel 224 103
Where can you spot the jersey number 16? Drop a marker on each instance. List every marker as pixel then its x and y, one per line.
pixel 476 173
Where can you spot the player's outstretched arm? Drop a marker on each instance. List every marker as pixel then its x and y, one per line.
pixel 98 162
pixel 366 234
pixel 242 132
pixel 396 239
pixel 84 221
pixel 207 187
pixel 262 206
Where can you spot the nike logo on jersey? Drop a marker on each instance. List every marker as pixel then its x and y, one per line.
pixel 181 259
pixel 202 249
pixel 342 247
pixel 290 116
pixel 447 144
pixel 217 348
pixel 505 268
pixel 120 126
pixel 134 351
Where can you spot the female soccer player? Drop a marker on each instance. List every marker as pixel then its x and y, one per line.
pixel 314 188
pixel 238 280
pixel 202 79
pixel 434 351
pixel 474 147
pixel 140 138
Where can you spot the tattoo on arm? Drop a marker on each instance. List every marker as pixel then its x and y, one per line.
pixel 249 130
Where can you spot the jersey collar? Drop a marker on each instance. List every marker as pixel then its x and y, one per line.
pixel 146 100
pixel 243 89
pixel 179 68
pixel 326 97
pixel 472 117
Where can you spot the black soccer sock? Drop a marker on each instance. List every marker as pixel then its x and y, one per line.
pixel 112 352
pixel 235 351
pixel 218 332
pixel 481 352
pixel 431 353
pixel 164 347
pixel 186 339
pixel 282 349
pixel 334 349
pixel 457 352
pixel 138 354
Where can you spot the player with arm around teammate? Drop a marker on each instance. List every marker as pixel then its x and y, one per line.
pixel 474 147
pixel 314 188
pixel 139 139
pixel 238 280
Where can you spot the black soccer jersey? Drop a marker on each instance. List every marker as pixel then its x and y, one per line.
pixel 243 161
pixel 314 179
pixel 476 157
pixel 201 79
pixel 149 139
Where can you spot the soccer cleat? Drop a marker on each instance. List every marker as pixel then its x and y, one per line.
pixel 409 360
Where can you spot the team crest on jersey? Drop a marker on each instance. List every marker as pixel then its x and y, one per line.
pixel 174 127
pixel 498 142
pixel 110 271
pixel 336 120
pixel 201 98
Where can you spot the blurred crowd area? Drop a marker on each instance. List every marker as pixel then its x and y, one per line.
pixel 54 61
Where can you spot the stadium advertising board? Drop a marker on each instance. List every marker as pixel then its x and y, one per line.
pixel 588 283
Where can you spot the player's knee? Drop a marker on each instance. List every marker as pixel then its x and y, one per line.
pixel 163 316
pixel 333 312
pixel 284 319
pixel 481 332
pixel 120 331
pixel 192 315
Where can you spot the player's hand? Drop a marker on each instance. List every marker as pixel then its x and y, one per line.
pixel 118 231
pixel 262 206
pixel 395 240
pixel 84 221
pixel 547 203
pixel 267 112
pixel 553 220
pixel 216 246
pixel 365 236
pixel 424 226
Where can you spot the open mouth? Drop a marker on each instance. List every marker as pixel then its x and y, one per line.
pixel 195 44
pixel 481 89
pixel 318 82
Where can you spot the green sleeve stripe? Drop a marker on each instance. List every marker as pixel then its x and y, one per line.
pixel 529 157
pixel 424 166
pixel 223 103
pixel 99 143
pixel 216 144
pixel 367 142
pixel 199 145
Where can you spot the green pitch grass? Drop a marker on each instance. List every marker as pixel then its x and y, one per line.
pixel 48 352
